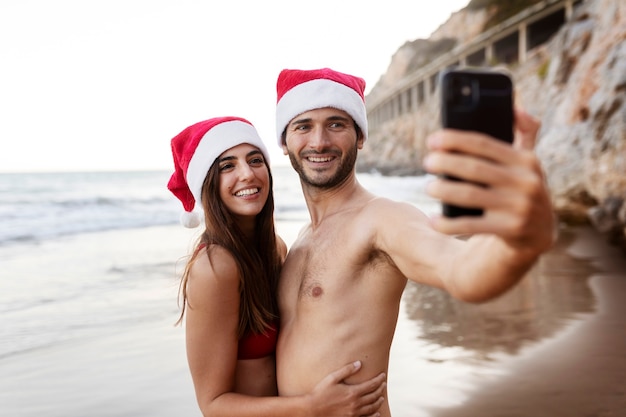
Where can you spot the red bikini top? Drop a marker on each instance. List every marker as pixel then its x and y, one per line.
pixel 258 345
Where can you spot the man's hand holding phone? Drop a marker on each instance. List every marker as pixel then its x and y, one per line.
pixel 506 181
pixel 476 100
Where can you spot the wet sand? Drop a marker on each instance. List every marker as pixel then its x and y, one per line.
pixel 581 372
pixel 554 346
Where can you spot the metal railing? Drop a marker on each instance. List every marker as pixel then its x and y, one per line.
pixel 506 43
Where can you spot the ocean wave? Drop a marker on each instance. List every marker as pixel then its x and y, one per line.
pixel 47 206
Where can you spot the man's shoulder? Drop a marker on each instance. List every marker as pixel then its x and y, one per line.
pixel 371 214
pixel 387 205
pixel 385 215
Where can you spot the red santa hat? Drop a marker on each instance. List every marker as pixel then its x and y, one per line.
pixel 299 91
pixel 194 151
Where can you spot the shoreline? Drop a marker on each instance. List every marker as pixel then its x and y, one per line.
pixel 581 372
pixel 135 365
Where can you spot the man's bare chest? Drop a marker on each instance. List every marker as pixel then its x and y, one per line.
pixel 314 271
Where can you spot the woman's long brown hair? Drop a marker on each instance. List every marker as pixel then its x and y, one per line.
pixel 258 260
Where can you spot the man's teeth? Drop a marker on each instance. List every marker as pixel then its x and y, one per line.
pixel 249 191
pixel 317 159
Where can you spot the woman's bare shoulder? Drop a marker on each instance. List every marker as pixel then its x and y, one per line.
pixel 214 265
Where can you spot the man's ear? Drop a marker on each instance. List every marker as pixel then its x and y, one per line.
pixel 283 142
pixel 360 141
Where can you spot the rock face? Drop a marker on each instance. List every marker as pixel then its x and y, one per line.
pixel 576 85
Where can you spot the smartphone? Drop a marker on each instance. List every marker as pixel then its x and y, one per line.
pixel 477 99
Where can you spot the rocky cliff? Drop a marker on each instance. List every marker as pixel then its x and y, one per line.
pixel 575 83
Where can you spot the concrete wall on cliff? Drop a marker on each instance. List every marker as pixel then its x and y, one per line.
pixel 575 84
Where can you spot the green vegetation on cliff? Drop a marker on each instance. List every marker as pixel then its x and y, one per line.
pixel 427 51
pixel 500 10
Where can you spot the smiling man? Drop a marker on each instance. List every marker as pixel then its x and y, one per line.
pixel 340 287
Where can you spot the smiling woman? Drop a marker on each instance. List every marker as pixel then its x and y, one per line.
pixel 244 182
pixel 228 287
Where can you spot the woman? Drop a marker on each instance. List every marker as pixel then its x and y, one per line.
pixel 229 284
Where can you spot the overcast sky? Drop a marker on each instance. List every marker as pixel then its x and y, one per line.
pixel 105 85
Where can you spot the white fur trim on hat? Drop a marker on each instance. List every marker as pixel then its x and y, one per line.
pixel 317 94
pixel 214 142
pixel 190 219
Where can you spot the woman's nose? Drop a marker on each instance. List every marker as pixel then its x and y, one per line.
pixel 245 172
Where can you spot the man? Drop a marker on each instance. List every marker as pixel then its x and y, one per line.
pixel 341 284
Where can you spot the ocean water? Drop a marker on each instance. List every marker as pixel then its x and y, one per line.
pixel 89 266
pixel 41 211
pixel 40 206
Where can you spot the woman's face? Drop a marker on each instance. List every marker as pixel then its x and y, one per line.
pixel 244 180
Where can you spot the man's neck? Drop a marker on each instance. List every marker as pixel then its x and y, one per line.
pixel 325 202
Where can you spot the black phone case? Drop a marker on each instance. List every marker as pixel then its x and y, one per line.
pixel 480 100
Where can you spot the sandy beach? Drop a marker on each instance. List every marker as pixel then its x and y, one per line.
pixel 115 352
pixel 555 347
pixel 579 373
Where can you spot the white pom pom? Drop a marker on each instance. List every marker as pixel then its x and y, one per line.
pixel 190 219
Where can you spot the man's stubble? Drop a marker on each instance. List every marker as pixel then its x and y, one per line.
pixel 325 181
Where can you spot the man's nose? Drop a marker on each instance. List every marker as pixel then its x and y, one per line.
pixel 319 138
